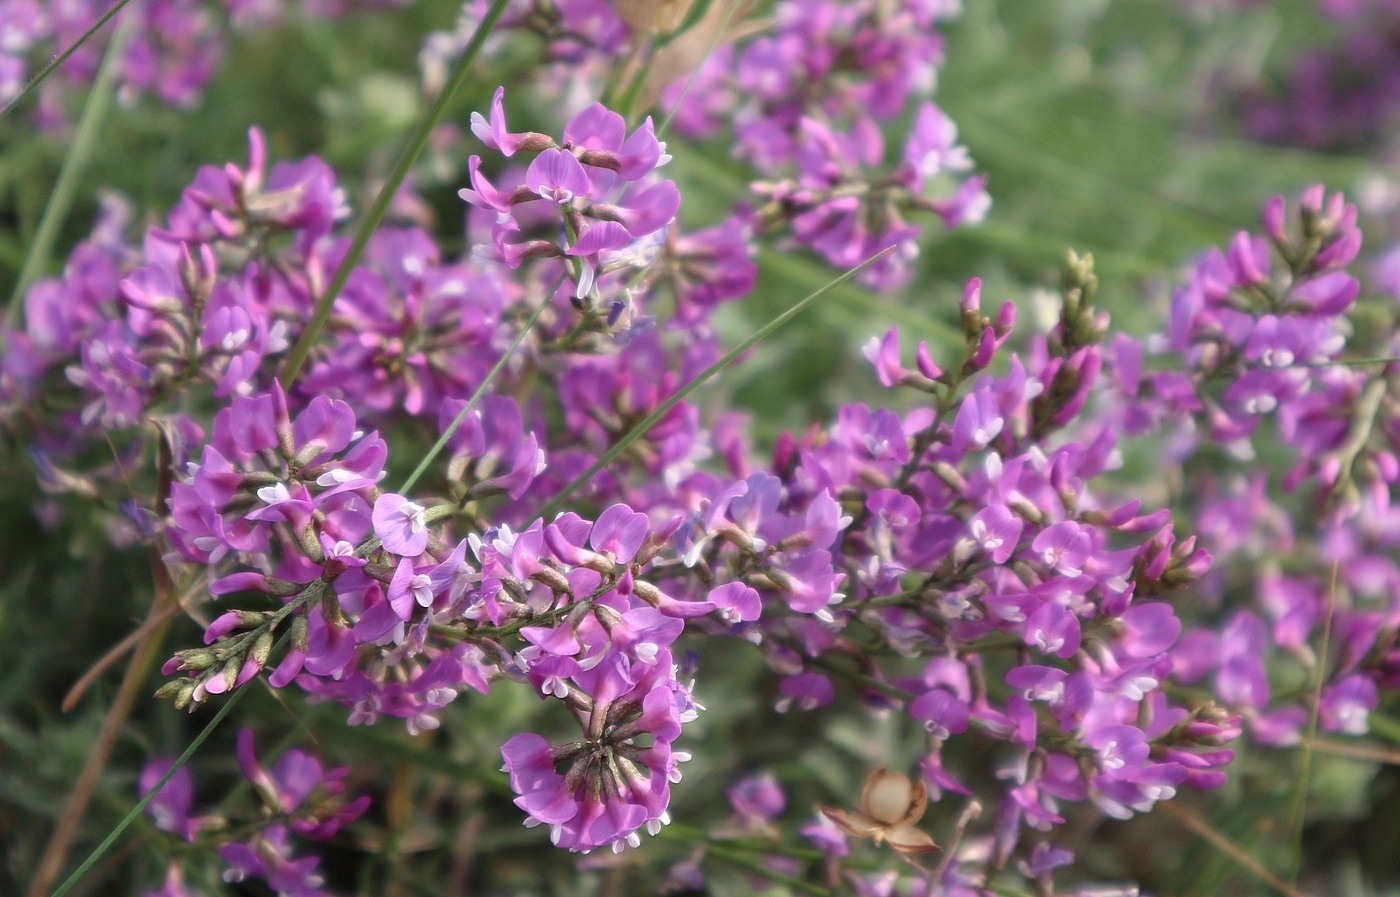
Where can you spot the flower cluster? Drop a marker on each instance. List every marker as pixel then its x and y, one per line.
pixel 809 100
pixel 301 798
pixel 969 533
pixel 809 103
pixel 173 50
pixel 948 533
pixel 1260 334
pixel 207 298
pixel 960 558
pixel 602 203
pixel 954 559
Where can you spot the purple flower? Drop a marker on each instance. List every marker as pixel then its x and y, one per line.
pixel 807 691
pixel 1053 629
pixel 942 713
pixel 170 808
pixel 757 799
pixel 1149 629
pixel 736 602
pixel 1347 704
pixel 495 135
pixel 978 422
pixel 302 789
pixel 595 181
pixel 557 177
pixel 584 817
pixel 400 524
pixel 996 530
pixel 1063 547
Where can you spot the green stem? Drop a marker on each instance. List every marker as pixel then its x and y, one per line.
pixel 618 447
pixel 756 865
pixel 1300 793
pixel 857 301
pixel 826 663
pixel 416 144
pixel 476 396
pixel 62 58
pixel 141 804
pixel 75 162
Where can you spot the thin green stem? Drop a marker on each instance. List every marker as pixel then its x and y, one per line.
pixel 476 396
pixel 861 302
pixel 1300 794
pixel 1348 362
pixel 61 58
pixel 757 866
pixel 826 663
pixel 141 804
pixel 75 162
pixel 416 144
pixel 557 502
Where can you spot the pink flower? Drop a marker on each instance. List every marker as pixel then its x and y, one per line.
pixel 402 525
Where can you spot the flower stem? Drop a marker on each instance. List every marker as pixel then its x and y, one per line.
pixel 476 396
pixel 61 58
pixel 416 144
pixel 75 162
pixel 617 448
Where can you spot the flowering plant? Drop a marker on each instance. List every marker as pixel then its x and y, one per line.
pixel 475 542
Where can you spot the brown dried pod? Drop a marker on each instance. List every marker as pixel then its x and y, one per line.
pixel 890 805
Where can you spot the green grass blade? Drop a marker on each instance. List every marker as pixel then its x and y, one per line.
pixel 480 391
pixel 556 503
pixel 416 144
pixel 1299 811
pixel 141 804
pixel 61 58
pixel 800 271
pixel 75 162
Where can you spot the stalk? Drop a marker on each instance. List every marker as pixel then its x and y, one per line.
pixel 416 144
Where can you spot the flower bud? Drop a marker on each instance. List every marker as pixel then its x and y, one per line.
pixel 534 142
pixel 197 277
pixel 171 688
pixel 950 475
pixel 231 671
pixel 262 647
pixel 184 694
pixel 602 159
pixel 299 632
pixel 197 658
pixel 647 592
pixel 553 579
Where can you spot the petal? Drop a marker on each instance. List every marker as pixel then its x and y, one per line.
pixel 554 169
pixel 857 824
pixel 596 127
pixel 599 236
pixel 907 839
